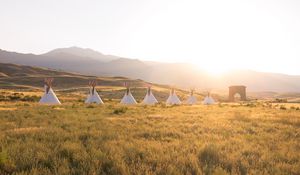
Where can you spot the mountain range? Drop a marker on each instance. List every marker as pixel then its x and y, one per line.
pixel 183 75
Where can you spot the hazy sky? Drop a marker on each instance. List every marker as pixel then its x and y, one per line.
pixel 218 35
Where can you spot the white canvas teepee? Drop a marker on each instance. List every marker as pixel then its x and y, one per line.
pixel 208 100
pixel 93 96
pixel 49 96
pixel 173 99
pixel 128 99
pixel 191 99
pixel 149 98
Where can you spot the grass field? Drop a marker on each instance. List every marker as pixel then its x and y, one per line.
pixel 75 138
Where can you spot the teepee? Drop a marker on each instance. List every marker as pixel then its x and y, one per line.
pixel 93 96
pixel 173 99
pixel 149 98
pixel 128 99
pixel 208 100
pixel 49 96
pixel 191 99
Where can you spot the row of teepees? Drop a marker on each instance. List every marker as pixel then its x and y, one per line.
pixel 49 96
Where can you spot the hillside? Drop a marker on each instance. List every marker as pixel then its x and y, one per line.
pixel 18 75
pixel 90 62
pixel 28 78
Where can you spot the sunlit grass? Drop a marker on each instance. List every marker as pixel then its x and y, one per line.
pixel 75 138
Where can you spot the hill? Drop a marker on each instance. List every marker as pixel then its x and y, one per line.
pixel 18 75
pixel 28 78
pixel 90 62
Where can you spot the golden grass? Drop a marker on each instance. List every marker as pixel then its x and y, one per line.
pixel 7 109
pixel 28 129
pixel 75 138
pixel 58 108
pixel 288 105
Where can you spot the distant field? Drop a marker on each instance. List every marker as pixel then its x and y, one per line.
pixel 74 138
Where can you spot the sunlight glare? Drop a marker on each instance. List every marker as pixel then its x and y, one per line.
pixel 214 69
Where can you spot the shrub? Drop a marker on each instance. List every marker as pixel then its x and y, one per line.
pixel 121 110
pixel 19 97
pixel 90 106
pixel 111 167
pixel 81 100
pixel 250 105
pixel 209 156
pixel 2 98
pixel 219 171
pixel 280 100
pixel 162 105
pixel 3 158
pixel 241 167
pixel 26 104
pixel 5 166
pixel 30 98
pixel 74 105
pixel 134 156
pixel 14 98
pixel 282 107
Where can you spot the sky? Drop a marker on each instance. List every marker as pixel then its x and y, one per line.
pixel 215 35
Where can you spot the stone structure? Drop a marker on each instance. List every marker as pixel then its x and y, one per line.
pixel 237 90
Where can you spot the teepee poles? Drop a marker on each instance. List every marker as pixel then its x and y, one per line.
pixel 208 100
pixel 191 99
pixel 173 98
pixel 128 99
pixel 48 84
pixel 49 96
pixel 149 98
pixel 93 96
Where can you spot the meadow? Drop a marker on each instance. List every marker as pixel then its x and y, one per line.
pixel 75 138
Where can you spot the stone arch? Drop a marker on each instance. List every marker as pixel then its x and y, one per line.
pixel 237 90
pixel 237 97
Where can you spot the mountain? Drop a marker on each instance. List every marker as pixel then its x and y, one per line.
pixel 67 62
pixel 90 62
pixel 74 59
pixel 80 52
